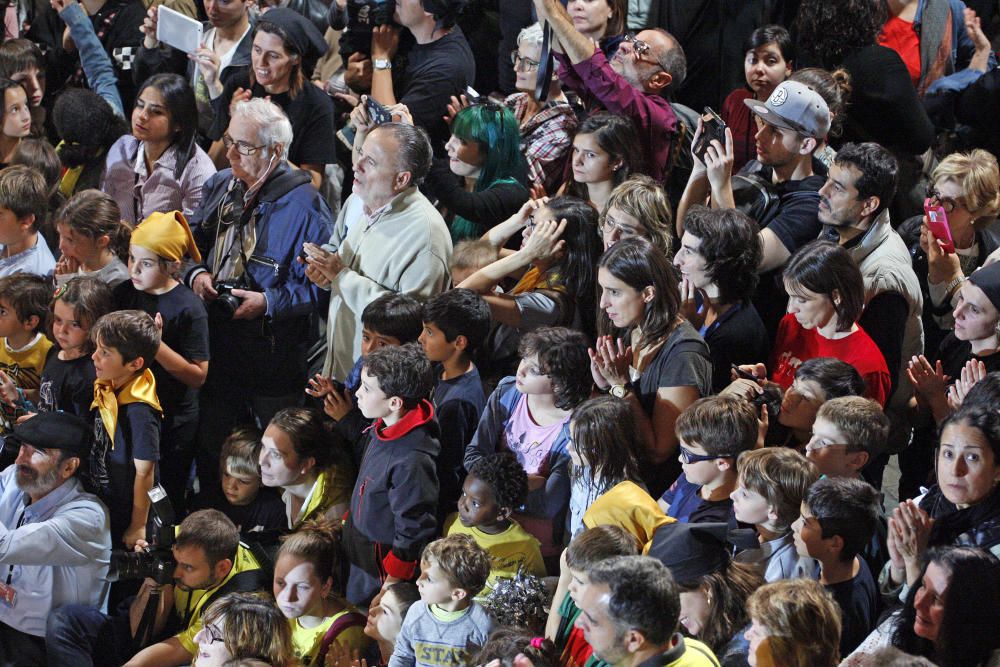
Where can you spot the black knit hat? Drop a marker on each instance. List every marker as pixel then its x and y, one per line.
pixel 305 39
pixel 988 280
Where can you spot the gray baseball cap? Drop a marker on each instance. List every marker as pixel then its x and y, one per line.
pixel 794 106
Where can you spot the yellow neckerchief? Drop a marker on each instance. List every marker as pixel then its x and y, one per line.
pixel 140 389
pixel 70 176
pixel 317 503
pixel 534 279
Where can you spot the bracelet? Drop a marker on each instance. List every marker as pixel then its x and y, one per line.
pixel 952 286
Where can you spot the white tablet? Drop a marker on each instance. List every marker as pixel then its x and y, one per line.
pixel 179 31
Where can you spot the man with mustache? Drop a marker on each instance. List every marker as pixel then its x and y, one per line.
pixel 55 539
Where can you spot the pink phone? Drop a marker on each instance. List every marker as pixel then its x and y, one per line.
pixel 937 221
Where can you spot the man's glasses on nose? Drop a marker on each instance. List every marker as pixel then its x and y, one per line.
pixel 640 47
pixel 242 147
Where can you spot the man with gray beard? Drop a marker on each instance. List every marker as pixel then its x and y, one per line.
pixel 55 539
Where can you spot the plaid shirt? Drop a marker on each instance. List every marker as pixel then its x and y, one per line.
pixel 546 138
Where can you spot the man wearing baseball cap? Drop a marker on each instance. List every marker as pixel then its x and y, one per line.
pixel 791 125
pixel 55 539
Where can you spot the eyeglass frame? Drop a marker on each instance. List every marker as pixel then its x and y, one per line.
pixel 947 203
pixel 242 147
pixel 213 632
pixel 608 225
pixel 689 457
pixel 641 50
pixel 515 55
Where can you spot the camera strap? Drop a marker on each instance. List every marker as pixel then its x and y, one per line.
pixel 10 572
pixel 235 238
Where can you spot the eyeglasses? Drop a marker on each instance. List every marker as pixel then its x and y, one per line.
pixel 523 64
pixel 687 456
pixel 640 47
pixel 610 225
pixel 947 203
pixel 214 634
pixel 242 147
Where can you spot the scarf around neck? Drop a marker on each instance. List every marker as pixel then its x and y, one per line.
pixel 140 389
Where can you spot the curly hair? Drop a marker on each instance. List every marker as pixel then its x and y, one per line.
pixel 462 560
pixel 562 356
pixel 506 643
pixel 731 247
pixel 829 31
pixel 505 476
pixel 402 371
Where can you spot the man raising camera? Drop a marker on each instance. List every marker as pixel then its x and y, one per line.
pixel 250 227
pixel 54 538
pixel 210 561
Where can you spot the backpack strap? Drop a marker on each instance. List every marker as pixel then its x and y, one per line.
pixel 349 620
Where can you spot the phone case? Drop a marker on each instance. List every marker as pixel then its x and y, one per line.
pixel 937 221
pixel 713 128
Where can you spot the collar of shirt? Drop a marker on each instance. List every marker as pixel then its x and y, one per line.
pixel 167 161
pixel 373 217
pixel 49 503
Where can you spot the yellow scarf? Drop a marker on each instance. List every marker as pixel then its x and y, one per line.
pixel 534 279
pixel 70 177
pixel 140 389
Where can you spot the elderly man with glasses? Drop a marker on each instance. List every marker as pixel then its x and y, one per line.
pixel 634 83
pixel 250 227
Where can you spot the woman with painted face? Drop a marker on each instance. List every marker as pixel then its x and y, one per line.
pixel 646 353
pixel 484 154
pixel 768 62
pixel 606 151
pixel 718 259
pixel 949 616
pixel 159 167
pixel 307 591
pixel 285 49
pixel 962 507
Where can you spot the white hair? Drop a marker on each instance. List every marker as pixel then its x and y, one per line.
pixel 531 36
pixel 273 126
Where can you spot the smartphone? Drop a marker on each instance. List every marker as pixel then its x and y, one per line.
pixel 712 127
pixel 740 373
pixel 376 112
pixel 937 221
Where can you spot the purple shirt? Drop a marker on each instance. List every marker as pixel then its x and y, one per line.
pixel 653 116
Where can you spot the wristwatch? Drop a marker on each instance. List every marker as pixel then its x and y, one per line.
pixel 619 390
pixel 382 63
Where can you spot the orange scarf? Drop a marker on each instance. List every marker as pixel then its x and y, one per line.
pixel 140 389
pixel 534 279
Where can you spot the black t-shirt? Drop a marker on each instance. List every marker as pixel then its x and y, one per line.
pixel 185 331
pixel 857 599
pixel 265 513
pixel 738 337
pixel 67 386
pixel 458 405
pixel 435 72
pixel 310 113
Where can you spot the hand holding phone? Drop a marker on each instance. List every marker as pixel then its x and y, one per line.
pixel 377 113
pixel 937 222
pixel 712 128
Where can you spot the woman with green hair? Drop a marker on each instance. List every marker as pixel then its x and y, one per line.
pixel 485 152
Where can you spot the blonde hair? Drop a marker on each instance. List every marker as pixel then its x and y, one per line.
pixel 643 198
pixel 780 475
pixel 241 452
pixel 254 627
pixel 802 621
pixel 462 560
pixel 978 175
pixel 473 254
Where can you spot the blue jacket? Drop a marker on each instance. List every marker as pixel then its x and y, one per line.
pixel 289 212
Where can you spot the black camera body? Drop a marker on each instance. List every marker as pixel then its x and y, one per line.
pixel 157 562
pixel 363 15
pixel 771 397
pixel 226 304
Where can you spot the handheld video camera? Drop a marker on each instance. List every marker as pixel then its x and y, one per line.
pixel 157 562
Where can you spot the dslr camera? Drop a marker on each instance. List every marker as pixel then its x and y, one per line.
pixel 363 15
pixel 157 562
pixel 226 303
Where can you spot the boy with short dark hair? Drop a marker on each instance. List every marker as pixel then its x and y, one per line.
pixel 24 309
pixel 445 623
pixel 849 432
pixel 837 521
pixel 456 323
pixel 393 505
pixel 496 486
pixel 771 485
pixel 24 205
pixel 712 432
pixel 127 415
pixel 391 319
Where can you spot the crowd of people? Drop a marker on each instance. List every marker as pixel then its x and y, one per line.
pixel 314 356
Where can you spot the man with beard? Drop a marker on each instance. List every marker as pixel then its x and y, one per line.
pixel 210 562
pixel 634 84
pixel 54 538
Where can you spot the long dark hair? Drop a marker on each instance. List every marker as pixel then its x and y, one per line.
pixel 968 629
pixel 178 97
pixel 617 137
pixel 605 435
pixel 727 591
pixel 577 268
pixel 637 262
